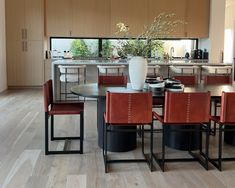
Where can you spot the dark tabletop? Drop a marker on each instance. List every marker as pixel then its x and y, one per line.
pixel 93 91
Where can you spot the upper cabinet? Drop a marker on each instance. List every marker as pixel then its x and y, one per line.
pixel 78 18
pixel 132 13
pixel 34 19
pixel 178 7
pixel 90 18
pixel 59 18
pixel 197 18
pixel 15 22
pixel 98 18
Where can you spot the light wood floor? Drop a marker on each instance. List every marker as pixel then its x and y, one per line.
pixel 23 163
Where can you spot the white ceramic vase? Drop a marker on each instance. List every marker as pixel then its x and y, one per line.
pixel 137 72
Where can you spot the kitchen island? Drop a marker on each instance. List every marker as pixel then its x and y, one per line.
pixel 92 73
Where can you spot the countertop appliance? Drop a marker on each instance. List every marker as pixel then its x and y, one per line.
pixel 197 54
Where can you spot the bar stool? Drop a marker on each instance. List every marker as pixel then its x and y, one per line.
pixel 153 71
pixel 111 70
pixel 227 116
pixel 52 109
pixel 70 75
pixel 217 70
pixel 191 109
pixel 184 70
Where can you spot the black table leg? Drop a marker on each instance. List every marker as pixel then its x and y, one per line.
pixel 181 140
pixel 229 137
pixel 117 141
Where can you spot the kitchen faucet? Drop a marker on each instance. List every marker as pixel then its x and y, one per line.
pixel 172 50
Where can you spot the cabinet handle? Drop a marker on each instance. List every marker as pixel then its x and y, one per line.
pixel 26 33
pixel 70 33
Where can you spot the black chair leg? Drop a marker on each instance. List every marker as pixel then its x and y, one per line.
pixel 207 146
pixel 163 149
pixel 106 153
pixel 200 141
pixel 52 127
pixel 46 133
pixel 151 148
pixel 81 131
pixel 220 149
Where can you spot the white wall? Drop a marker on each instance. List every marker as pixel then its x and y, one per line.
pixel 229 32
pixel 215 42
pixel 3 74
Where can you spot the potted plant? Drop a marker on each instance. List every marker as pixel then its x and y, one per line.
pixel 162 26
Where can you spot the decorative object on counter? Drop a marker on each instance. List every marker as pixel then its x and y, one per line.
pixel 67 55
pixel 162 26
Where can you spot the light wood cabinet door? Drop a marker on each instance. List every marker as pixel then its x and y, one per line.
pixel 132 13
pixel 197 17
pixel 91 18
pixel 178 7
pixel 34 19
pixel 33 63
pixel 15 63
pixel 59 18
pixel 15 23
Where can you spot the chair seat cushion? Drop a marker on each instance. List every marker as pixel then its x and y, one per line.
pixel 71 78
pixel 215 118
pixel 66 108
pixel 217 69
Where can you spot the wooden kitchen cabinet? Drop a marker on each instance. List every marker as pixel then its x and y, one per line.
pixel 59 18
pixel 132 13
pixel 178 7
pixel 197 18
pixel 91 18
pixel 24 35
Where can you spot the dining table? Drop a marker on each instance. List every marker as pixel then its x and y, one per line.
pixel 126 141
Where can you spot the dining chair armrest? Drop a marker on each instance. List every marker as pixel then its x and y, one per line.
pixel 156 116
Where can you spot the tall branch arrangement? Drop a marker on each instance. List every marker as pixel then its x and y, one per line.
pixel 162 27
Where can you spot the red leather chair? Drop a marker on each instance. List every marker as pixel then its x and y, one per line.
pixel 189 80
pixel 52 109
pixel 227 116
pixel 185 109
pixel 216 79
pixel 213 80
pixel 112 80
pixel 127 109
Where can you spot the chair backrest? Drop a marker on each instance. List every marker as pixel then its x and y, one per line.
pixel 72 69
pixel 186 108
pixel 216 79
pixel 188 80
pixel 128 108
pixel 227 112
pixel 112 80
pixel 111 69
pixel 48 95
